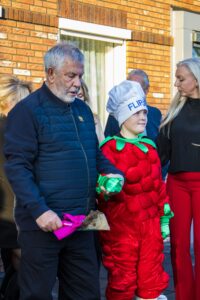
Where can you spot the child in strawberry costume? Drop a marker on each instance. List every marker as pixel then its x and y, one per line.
pixel 133 248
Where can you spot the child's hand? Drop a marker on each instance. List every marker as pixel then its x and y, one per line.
pixel 164 221
pixel 109 185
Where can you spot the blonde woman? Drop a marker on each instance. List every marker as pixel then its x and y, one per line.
pixel 12 90
pixel 179 143
pixel 83 94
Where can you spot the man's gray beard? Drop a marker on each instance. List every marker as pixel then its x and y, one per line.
pixel 68 99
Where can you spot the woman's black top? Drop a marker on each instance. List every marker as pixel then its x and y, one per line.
pixel 182 148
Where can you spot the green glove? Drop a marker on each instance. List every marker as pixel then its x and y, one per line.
pixel 111 185
pixel 164 221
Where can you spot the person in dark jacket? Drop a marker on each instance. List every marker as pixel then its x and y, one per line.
pixel 53 161
pixel 12 90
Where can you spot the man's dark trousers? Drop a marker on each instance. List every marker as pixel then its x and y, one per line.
pixel 73 259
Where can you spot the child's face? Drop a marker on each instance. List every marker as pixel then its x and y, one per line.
pixel 135 124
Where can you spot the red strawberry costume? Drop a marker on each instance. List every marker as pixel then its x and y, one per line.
pixel 133 248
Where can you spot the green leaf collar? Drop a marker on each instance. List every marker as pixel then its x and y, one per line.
pixel 138 142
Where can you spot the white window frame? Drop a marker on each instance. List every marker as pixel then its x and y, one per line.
pixel 94 29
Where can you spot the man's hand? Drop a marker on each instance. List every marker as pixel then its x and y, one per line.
pixel 115 176
pixel 49 221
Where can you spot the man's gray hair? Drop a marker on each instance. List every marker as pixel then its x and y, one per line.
pixel 55 56
pixel 141 73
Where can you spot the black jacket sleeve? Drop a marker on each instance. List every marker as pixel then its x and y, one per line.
pixel 20 149
pixel 164 146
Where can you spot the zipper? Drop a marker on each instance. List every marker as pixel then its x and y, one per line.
pixel 88 176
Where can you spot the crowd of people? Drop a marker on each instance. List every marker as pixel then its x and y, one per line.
pixel 53 148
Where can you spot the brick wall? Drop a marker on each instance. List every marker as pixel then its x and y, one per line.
pixel 30 27
pixel 27 31
pixel 150 47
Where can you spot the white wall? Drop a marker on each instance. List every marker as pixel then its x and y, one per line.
pixel 183 24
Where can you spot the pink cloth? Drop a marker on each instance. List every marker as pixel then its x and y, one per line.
pixel 70 224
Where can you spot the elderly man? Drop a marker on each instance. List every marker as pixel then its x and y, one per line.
pixel 52 163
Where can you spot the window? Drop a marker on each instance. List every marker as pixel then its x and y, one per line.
pixel 105 58
pixel 196 50
pixel 99 70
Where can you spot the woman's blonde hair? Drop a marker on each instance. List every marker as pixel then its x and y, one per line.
pixel 193 65
pixel 12 90
pixel 86 95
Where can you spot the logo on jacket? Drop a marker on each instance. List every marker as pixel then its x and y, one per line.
pixel 80 118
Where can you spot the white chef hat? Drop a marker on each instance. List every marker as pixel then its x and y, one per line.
pixel 125 99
